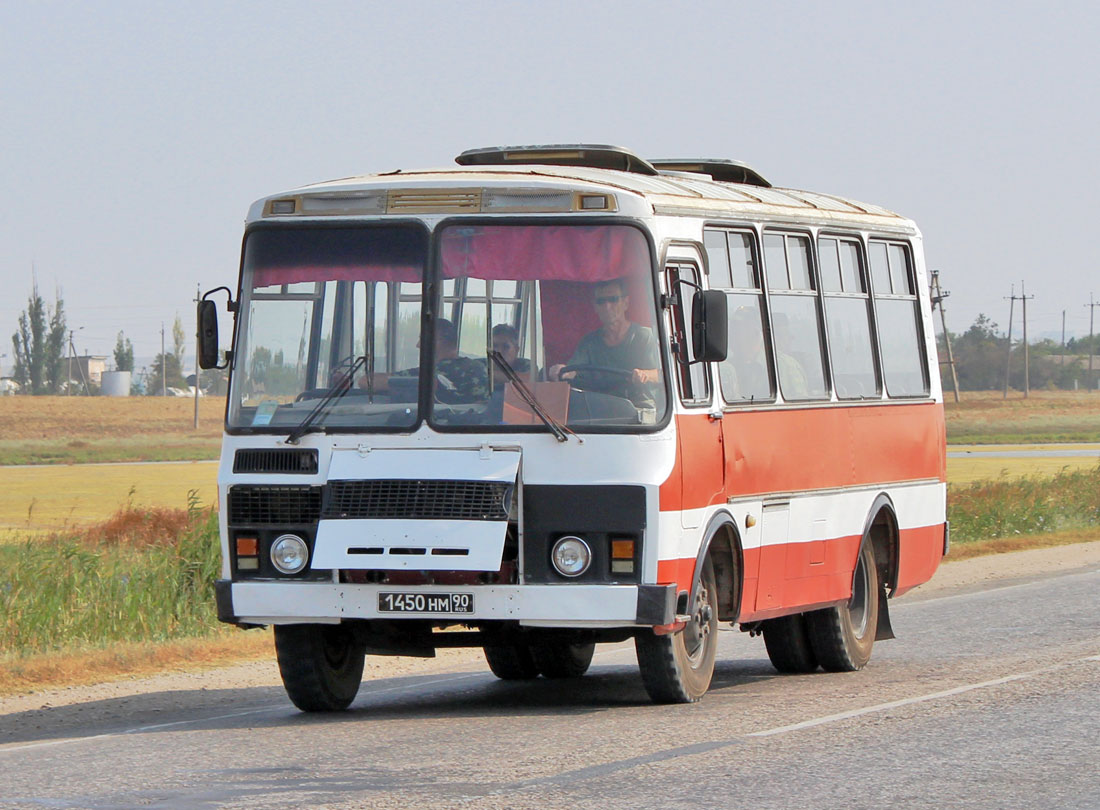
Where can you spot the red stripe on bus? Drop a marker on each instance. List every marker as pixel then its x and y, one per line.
pixel 784 450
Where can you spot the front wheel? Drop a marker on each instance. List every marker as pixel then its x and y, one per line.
pixel 678 668
pixel 842 636
pixel 321 665
pixel 511 662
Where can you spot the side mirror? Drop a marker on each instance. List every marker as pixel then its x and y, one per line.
pixel 208 334
pixel 708 326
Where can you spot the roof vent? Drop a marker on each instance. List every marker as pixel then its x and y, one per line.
pixel 594 156
pixel 724 171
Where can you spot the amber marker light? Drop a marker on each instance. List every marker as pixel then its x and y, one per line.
pixel 248 547
pixel 622 556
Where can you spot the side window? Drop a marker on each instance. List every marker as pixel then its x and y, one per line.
pixel 746 374
pixel 718 258
pixel 693 377
pixel 848 319
pixel 796 319
pixel 897 308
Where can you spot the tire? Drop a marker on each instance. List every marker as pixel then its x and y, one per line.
pixel 787 640
pixel 677 668
pixel 511 662
pixel 561 659
pixel 321 665
pixel 842 636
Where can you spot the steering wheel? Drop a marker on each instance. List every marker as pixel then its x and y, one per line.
pixel 626 374
pixel 343 365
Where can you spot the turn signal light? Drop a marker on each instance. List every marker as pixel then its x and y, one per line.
pixel 248 547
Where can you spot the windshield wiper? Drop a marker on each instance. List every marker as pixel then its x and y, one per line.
pixel 557 428
pixel 334 393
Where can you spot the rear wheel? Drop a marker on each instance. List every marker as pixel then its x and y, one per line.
pixel 511 662
pixel 678 668
pixel 562 659
pixel 842 636
pixel 321 665
pixel 788 643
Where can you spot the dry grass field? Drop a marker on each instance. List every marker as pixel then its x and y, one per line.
pixel 36 430
pixel 55 497
pixel 985 417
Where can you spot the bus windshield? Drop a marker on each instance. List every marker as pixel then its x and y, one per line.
pixel 333 319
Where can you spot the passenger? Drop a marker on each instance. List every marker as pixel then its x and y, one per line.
pixel 744 372
pixel 458 379
pixel 793 381
pixel 619 343
pixel 506 342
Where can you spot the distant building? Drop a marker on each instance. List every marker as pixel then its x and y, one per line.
pixel 88 367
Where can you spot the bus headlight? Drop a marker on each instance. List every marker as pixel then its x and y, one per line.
pixel 289 553
pixel 571 556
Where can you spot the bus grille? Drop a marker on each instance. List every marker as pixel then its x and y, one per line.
pixel 418 500
pixel 291 462
pixel 432 201
pixel 273 505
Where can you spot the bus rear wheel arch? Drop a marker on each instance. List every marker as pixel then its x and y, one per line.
pixel 842 636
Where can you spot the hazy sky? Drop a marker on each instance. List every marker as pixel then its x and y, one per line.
pixel 133 136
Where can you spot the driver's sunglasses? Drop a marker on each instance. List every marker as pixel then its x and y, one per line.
pixel 601 300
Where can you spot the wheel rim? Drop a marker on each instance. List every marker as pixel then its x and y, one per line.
pixel 698 629
pixel 858 608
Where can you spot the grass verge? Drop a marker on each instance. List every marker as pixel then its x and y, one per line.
pixel 991 510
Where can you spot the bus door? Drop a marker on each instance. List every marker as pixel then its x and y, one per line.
pixel 699 432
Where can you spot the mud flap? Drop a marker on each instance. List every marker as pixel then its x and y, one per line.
pixel 885 631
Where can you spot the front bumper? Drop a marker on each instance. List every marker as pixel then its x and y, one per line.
pixel 573 605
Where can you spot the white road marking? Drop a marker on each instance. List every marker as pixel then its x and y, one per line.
pixel 894 704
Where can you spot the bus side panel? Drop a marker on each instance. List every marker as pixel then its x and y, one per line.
pixel 919 556
pixel 785 450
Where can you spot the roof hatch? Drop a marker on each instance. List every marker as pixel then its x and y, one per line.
pixel 595 156
pixel 725 171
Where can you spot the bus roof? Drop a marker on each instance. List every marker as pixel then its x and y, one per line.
pixel 458 189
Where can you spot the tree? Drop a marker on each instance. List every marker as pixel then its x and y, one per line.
pixel 173 373
pixel 39 345
pixel 124 353
pixel 178 338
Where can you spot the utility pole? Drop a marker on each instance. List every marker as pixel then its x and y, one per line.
pixel 1063 331
pixel 1008 361
pixel 1092 305
pixel 163 364
pixel 1027 372
pixel 69 378
pixel 83 379
pixel 198 290
pixel 938 294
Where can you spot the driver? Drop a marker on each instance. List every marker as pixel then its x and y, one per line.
pixel 619 343
pixel 458 378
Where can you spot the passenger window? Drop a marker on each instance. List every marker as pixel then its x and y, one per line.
pixel 743 261
pixel 746 375
pixel 796 318
pixel 848 320
pixel 775 260
pixel 880 269
pixel 901 342
pixel 830 265
pixel 717 258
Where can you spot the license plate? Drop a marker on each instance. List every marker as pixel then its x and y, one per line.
pixel 404 602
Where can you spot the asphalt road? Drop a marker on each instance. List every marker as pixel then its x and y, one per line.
pixel 990 697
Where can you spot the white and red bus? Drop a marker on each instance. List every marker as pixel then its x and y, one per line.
pixel 561 395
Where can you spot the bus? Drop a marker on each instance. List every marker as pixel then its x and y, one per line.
pixel 554 396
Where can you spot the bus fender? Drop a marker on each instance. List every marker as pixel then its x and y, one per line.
pixel 722 534
pixel 885 537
